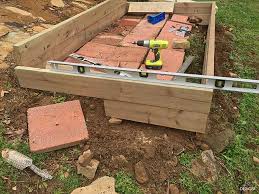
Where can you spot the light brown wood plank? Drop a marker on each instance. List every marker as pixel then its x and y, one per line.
pixel 42 45
pixel 192 8
pixel 177 97
pixel 151 7
pixel 208 67
pixel 179 119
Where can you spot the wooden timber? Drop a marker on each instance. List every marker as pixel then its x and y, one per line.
pixel 180 107
pixel 179 119
pixel 66 37
pixel 151 7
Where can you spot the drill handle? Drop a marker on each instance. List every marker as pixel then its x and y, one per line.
pixel 157 54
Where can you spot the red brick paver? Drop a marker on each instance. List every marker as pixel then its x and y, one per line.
pixel 56 126
pixel 143 31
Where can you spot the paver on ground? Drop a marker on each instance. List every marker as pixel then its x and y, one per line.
pixel 56 126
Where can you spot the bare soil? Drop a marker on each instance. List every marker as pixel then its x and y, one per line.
pixel 154 145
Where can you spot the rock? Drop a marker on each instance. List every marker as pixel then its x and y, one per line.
pixel 88 171
pixel 5 49
pixel 205 166
pixel 150 151
pixel 194 20
pixel 85 158
pixel 256 160
pixel 3 92
pixel 3 65
pixel 172 163
pixel 19 11
pixel 38 29
pixel 4 30
pixel 57 3
pixel 220 140
pixel 115 121
pixel 140 173
pixel 80 5
pixel 103 185
pixel 86 147
pixel 230 35
pixel 16 36
pixel 181 44
pixel 202 145
pixel 119 161
pixel 92 106
pixel 233 75
pixel 173 189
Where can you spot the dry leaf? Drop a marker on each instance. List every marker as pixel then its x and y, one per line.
pixel 66 174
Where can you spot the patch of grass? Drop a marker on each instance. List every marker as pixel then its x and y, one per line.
pixel 242 16
pixel 69 178
pixel 125 184
pixel 9 171
pixel 193 185
pixel 8 86
pixel 186 159
pixel 59 99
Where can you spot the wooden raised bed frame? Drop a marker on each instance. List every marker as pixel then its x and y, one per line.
pixel 178 107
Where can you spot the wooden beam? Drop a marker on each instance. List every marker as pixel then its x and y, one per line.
pixel 69 35
pixel 179 119
pixel 192 8
pixel 208 65
pixel 162 95
pixel 151 7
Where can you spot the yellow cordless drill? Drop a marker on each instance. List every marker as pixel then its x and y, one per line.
pixel 156 46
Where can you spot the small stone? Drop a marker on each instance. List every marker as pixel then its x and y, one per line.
pixel 85 158
pixel 103 185
pixel 256 160
pixel 194 20
pixel 4 30
pixel 57 3
pixel 173 189
pixel 119 161
pixel 218 192
pixel 19 11
pixel 3 92
pixel 233 75
pixel 115 121
pixel 92 106
pixel 140 173
pixel 88 171
pixel 14 188
pixel 181 44
pixel 205 166
pixel 86 147
pixel 38 29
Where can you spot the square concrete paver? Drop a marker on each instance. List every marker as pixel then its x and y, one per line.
pixel 56 126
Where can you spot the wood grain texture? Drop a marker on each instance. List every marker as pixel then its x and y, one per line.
pixel 192 8
pixel 162 95
pixel 69 35
pixel 179 119
pixel 151 7
pixel 208 64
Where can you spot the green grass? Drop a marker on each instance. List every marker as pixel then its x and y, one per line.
pixel 125 184
pixel 59 99
pixel 193 185
pixel 243 17
pixel 186 159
